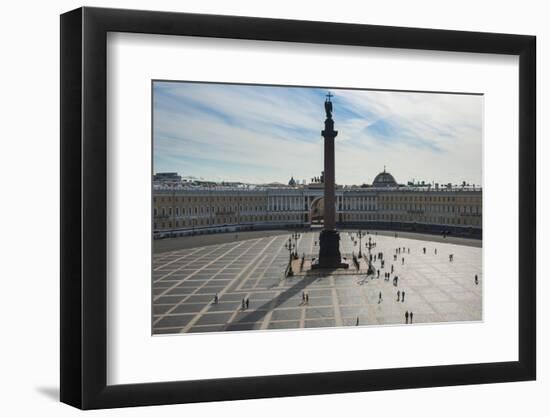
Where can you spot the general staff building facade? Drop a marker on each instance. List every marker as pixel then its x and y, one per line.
pixel 181 209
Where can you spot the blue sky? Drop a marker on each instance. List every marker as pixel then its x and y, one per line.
pixel 261 134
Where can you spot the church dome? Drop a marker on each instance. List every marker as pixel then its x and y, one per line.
pixel 384 179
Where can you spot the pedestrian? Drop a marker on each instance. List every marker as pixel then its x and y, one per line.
pixel 216 299
pixel 402 296
pixel 377 273
pixel 307 298
pixel 379 297
pixel 357 321
pixel 398 295
pixel 408 250
pixel 435 251
pixel 247 302
pixel 406 317
pixel 242 304
pixel 411 317
pixel 424 250
pixel 392 268
pixel 476 280
pixel 303 297
pixel 402 261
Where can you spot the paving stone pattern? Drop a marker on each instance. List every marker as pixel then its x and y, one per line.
pixel 436 289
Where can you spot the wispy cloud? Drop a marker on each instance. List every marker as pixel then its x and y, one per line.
pixel 265 133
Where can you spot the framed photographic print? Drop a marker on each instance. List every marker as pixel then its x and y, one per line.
pixel 258 207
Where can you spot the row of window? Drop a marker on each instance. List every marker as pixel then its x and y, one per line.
pixel 434 199
pixel 209 198
pixel 198 222
pixel 437 208
pixel 460 221
pixel 201 210
pixel 224 220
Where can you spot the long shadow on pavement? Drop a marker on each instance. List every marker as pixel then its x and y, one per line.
pixel 261 311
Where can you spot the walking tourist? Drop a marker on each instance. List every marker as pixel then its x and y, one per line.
pixel 406 317
pixel 411 317
pixel 398 295
pixel 402 296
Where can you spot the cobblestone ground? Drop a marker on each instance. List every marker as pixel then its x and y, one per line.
pixel 436 289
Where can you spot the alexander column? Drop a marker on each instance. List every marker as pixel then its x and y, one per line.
pixel 329 240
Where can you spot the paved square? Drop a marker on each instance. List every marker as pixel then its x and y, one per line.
pixel 435 288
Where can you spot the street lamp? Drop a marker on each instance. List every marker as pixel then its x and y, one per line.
pixel 290 246
pixel 370 245
pixel 296 236
pixel 360 234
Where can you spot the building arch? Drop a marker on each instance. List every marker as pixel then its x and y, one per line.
pixel 317 210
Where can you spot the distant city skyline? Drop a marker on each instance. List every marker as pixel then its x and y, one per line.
pixel 264 134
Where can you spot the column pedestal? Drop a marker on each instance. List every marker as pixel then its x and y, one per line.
pixel 329 251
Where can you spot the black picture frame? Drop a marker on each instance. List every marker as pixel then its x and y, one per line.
pixel 84 207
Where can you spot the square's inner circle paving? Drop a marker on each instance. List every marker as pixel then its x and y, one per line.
pixel 436 289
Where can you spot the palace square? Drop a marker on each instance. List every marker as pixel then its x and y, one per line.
pixel 245 266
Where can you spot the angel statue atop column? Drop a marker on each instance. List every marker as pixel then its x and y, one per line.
pixel 328 106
